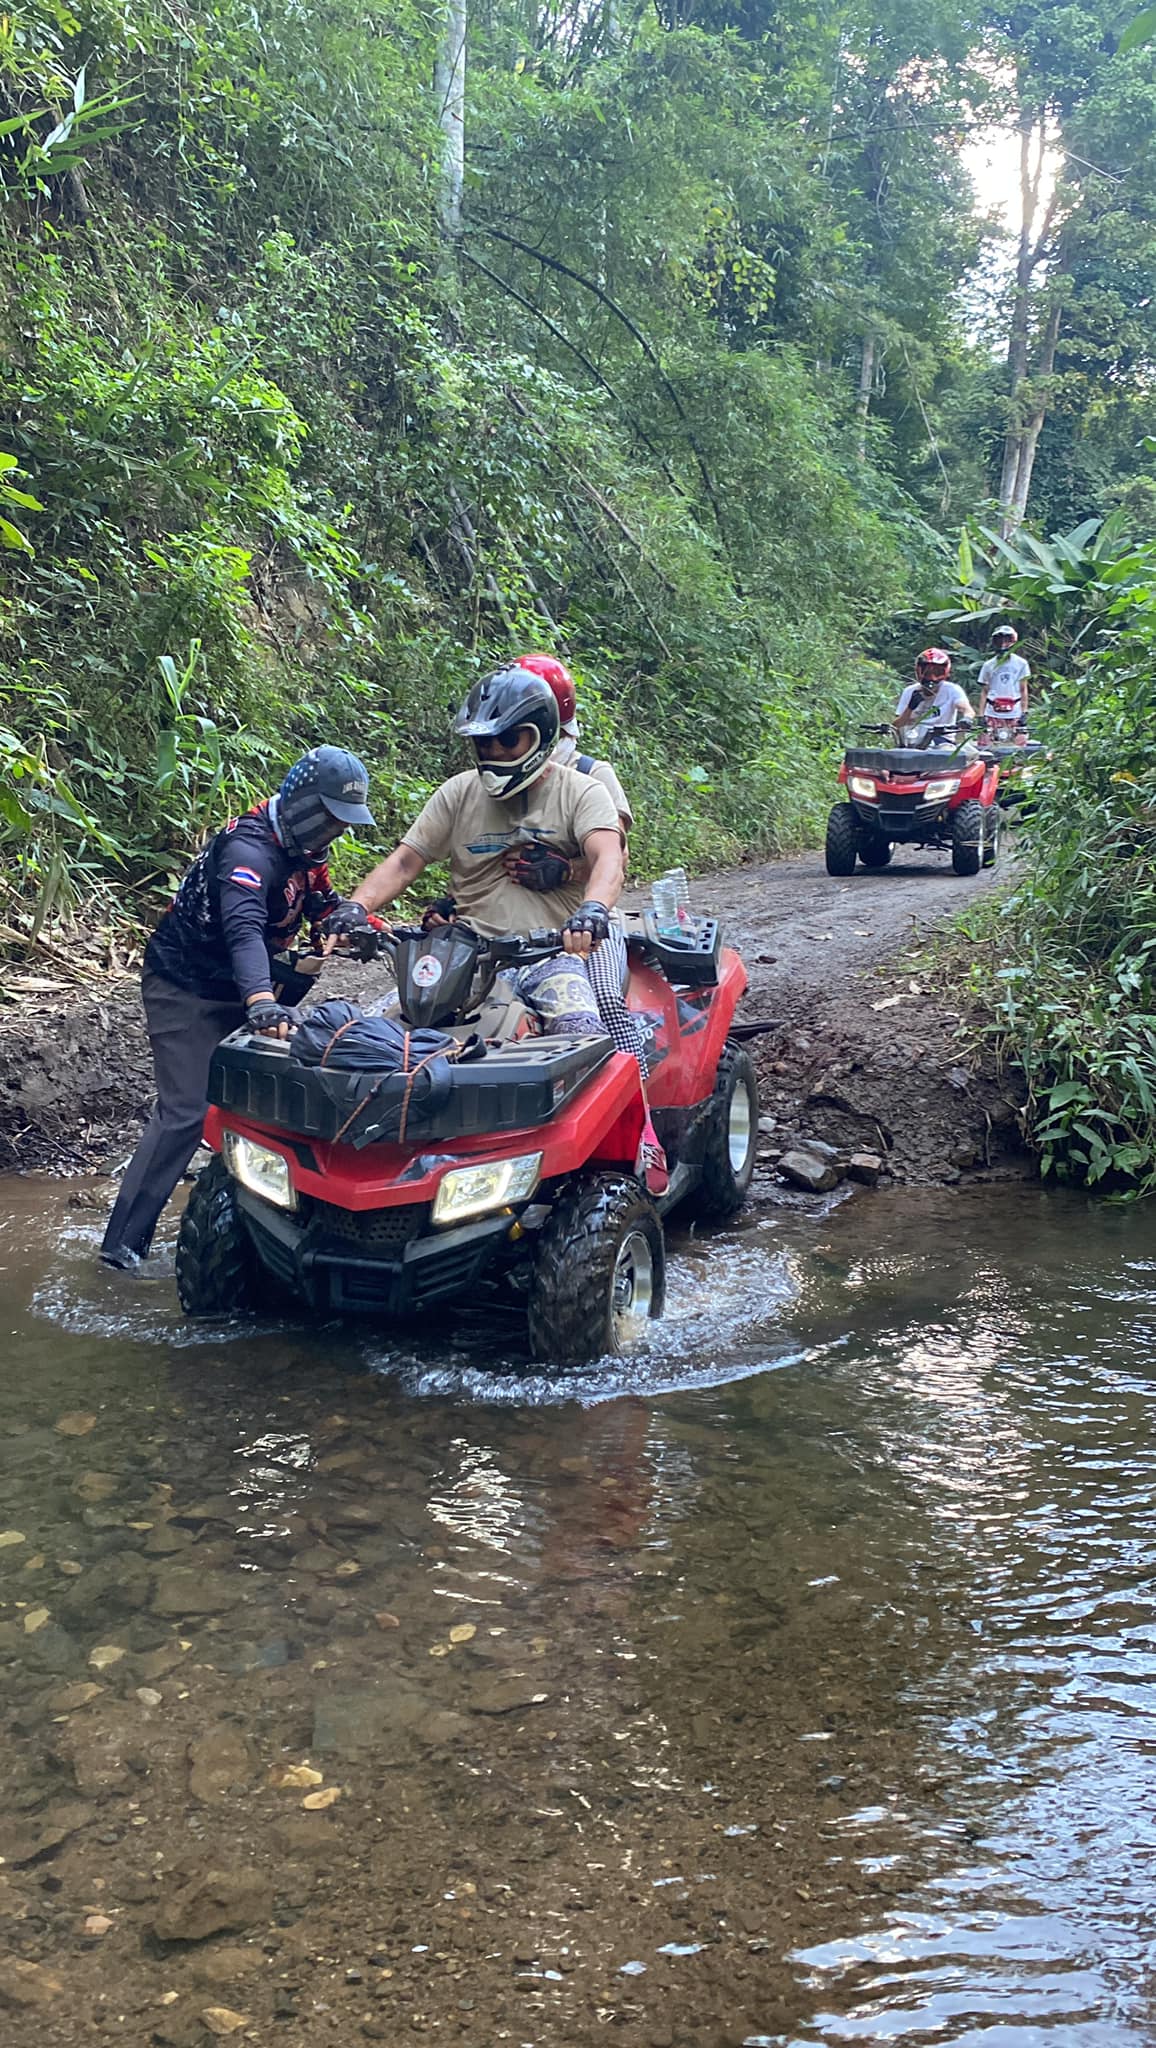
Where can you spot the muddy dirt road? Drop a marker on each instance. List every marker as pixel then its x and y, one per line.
pixel 798 928
pixel 869 1053
pixel 822 955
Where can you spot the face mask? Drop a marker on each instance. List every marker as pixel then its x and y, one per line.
pixel 304 826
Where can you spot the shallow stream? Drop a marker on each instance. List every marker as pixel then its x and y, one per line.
pixel 797 1686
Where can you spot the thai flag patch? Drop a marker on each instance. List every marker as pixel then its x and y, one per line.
pixel 247 877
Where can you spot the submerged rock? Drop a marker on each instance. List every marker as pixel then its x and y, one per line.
pixel 506 1695
pixel 221 1901
pixel 218 1761
pixel 41 1837
pixel 25 1987
pixel 368 1718
pixel 182 1590
pixel 115 1585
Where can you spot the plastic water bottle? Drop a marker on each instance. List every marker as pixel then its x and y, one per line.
pixel 681 897
pixel 664 903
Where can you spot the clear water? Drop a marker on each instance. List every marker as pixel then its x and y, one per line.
pixel 829 1629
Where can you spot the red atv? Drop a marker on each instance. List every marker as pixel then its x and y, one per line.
pixel 1018 758
pixel 503 1172
pixel 941 793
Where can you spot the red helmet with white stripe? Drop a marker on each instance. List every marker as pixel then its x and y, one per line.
pixel 933 665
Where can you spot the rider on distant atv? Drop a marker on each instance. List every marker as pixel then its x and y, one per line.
pixel 1003 686
pixel 931 700
pixel 516 799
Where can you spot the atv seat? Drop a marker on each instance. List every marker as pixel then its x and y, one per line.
pixel 905 760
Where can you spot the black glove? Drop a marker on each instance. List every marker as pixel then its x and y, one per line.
pixel 442 911
pixel 265 1015
pixel 538 867
pixel 590 920
pixel 347 918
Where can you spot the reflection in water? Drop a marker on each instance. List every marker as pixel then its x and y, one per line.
pixel 694 1703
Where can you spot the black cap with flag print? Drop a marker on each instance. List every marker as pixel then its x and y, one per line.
pixel 324 791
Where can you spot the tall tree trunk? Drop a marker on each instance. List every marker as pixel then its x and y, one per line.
pixel 450 92
pixel 1027 406
pixel 866 385
pixel 1029 438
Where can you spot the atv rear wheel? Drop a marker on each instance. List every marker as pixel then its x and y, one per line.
pixel 842 840
pixel 729 1160
pixel 218 1272
pixel 875 852
pixel 967 837
pixel 600 1271
pixel 991 841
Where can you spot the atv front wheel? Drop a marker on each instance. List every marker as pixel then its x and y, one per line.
pixel 991 841
pixel 217 1269
pixel 967 837
pixel 600 1271
pixel 842 840
pixel 733 1121
pixel 875 852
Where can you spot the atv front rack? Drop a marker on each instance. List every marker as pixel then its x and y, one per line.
pixel 512 1088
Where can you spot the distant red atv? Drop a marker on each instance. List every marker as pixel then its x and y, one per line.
pixel 505 1172
pixel 941 794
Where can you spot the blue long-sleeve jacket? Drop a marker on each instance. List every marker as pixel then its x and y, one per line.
pixel 242 901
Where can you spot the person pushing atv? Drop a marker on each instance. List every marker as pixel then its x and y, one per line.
pixel 482 1138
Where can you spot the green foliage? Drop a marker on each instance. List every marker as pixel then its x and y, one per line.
pixel 1075 995
pixel 11 536
pixel 1059 590
pixel 682 404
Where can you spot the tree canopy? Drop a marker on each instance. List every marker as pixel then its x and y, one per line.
pixel 348 348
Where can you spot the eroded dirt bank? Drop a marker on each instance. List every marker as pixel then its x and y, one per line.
pixel 864 1056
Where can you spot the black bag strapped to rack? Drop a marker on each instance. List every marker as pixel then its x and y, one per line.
pixel 411 1069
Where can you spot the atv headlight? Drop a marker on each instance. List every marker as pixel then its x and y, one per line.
pixel 260 1169
pixel 938 792
pixel 864 786
pixel 473 1190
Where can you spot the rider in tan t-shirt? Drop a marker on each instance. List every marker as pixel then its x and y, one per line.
pixel 517 795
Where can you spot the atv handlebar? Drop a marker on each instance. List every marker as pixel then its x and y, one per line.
pixel 508 949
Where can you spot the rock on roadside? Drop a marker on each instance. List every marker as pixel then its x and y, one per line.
pixel 808 1170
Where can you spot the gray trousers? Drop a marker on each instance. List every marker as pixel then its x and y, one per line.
pixel 184 1031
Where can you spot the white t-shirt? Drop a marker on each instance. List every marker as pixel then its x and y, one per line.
pixel 567 752
pixel 1004 677
pixel 948 704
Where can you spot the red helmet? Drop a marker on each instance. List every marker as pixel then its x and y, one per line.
pixel 561 681
pixel 933 664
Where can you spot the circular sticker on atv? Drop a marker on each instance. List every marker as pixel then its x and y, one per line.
pixel 427 971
